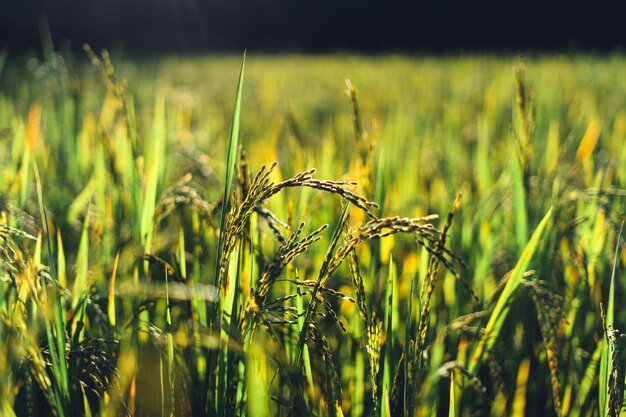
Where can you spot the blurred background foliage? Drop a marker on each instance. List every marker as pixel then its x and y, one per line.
pixel 132 164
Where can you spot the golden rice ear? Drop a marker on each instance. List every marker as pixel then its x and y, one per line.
pixel 135 224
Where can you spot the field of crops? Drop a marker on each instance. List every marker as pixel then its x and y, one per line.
pixel 441 235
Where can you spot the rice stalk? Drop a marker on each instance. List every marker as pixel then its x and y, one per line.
pixel 611 384
pixel 549 315
pixel 428 284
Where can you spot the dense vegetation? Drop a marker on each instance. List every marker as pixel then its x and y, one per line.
pixel 445 240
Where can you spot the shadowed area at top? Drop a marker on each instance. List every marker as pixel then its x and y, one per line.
pixel 321 26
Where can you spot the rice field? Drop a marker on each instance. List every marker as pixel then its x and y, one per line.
pixel 330 235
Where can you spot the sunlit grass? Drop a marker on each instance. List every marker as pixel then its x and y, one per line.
pixel 156 261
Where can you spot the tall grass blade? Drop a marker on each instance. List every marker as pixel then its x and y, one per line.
pixel 33 131
pixel 61 269
pixel 389 332
pixel 408 337
pixel 169 343
pixel 56 341
pixel 231 159
pixel 452 402
pixel 152 175
pixel 111 299
pixel 217 358
pixel 500 311
pixel 608 391
pixel 80 289
pixel 519 205
pixel 258 402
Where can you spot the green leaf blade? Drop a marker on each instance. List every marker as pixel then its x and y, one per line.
pixel 500 311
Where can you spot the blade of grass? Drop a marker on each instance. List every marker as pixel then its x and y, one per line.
pixel 80 289
pixel 519 400
pixel 169 344
pixel 519 204
pixel 322 274
pixel 306 358
pixel 588 381
pixel 258 400
pixel 358 394
pixel 452 402
pixel 7 409
pixel 56 342
pixel 86 402
pixel 231 158
pixel 606 370
pixel 227 363
pixel 111 300
pixel 389 332
pixel 408 337
pixel 61 260
pixel 152 176
pixel 33 131
pixel 500 311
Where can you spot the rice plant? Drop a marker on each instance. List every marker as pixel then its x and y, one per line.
pixel 444 241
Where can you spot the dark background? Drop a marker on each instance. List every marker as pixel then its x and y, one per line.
pixel 318 25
